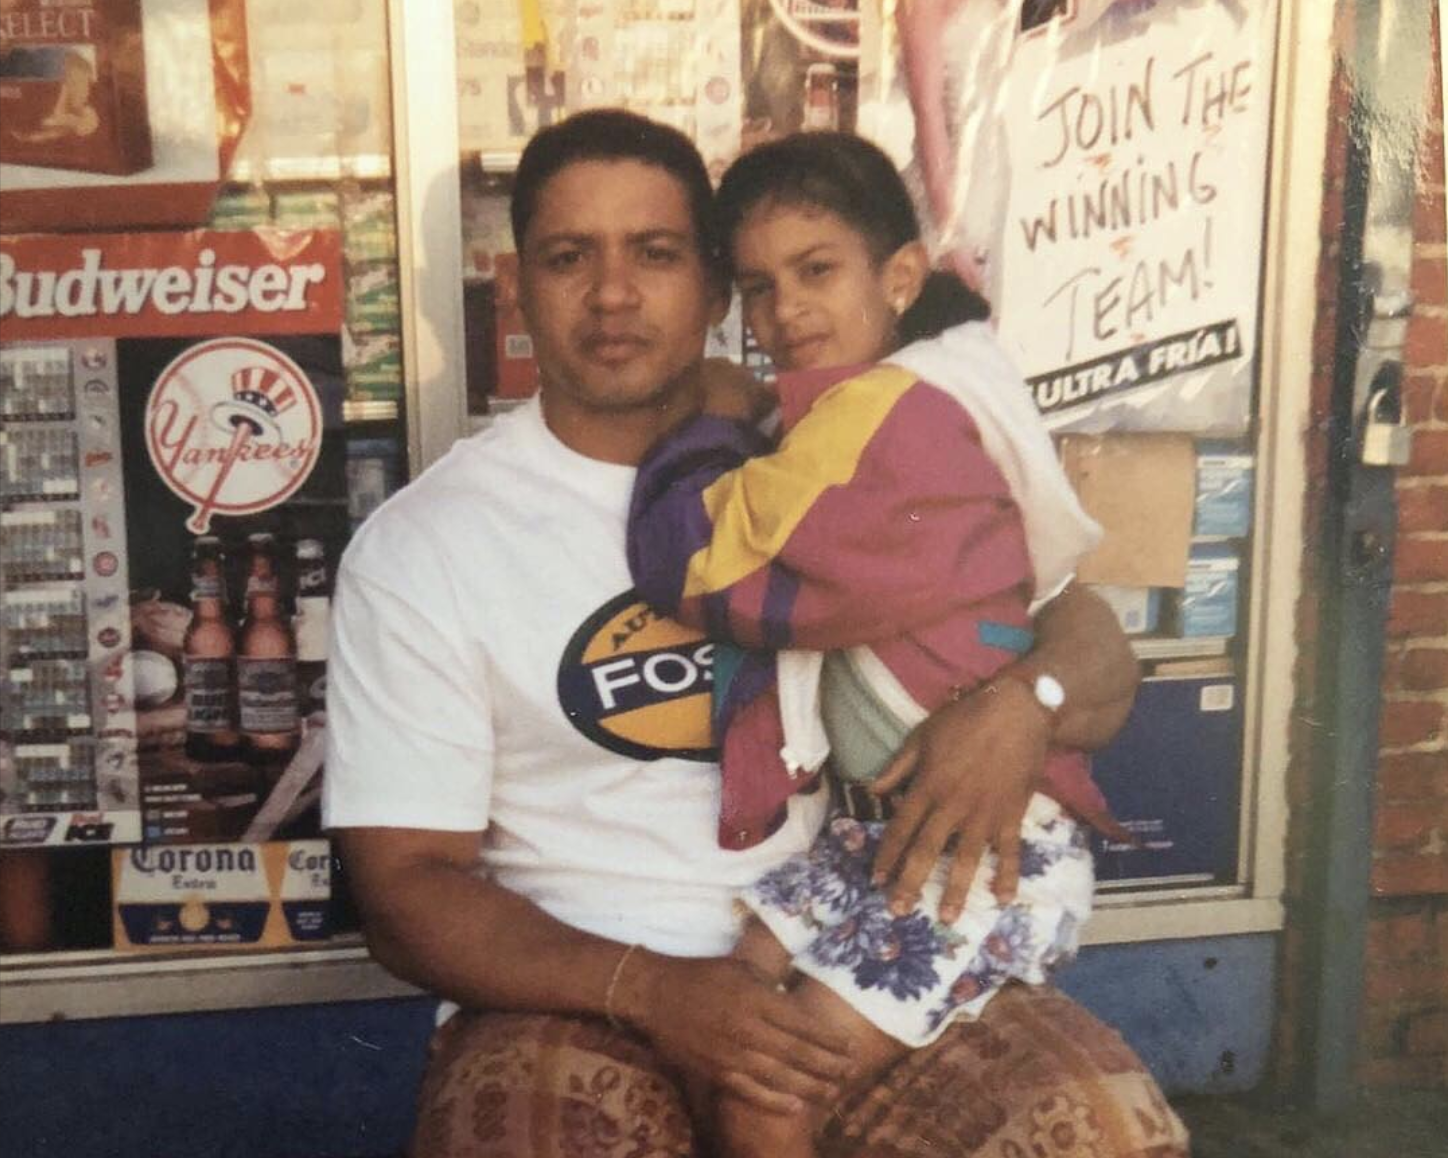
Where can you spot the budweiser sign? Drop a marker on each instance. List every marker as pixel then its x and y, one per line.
pixel 158 284
pixel 234 427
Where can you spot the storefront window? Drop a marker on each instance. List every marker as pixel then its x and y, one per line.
pixel 203 398
pixel 1097 171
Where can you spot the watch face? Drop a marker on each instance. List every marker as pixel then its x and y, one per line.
pixel 1050 692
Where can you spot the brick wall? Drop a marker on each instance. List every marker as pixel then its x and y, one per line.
pixel 1405 1016
pixel 1404 1038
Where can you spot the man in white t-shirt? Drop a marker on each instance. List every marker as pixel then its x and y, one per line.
pixel 520 774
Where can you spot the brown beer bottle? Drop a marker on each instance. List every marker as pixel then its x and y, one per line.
pixel 266 662
pixel 208 660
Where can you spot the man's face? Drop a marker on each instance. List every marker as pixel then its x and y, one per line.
pixel 614 289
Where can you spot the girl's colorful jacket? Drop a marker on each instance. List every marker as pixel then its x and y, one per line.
pixel 878 519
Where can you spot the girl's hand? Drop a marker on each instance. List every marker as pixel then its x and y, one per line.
pixel 971 768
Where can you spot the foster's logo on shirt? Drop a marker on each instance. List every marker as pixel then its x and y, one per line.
pixel 638 683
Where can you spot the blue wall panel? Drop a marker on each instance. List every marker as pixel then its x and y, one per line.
pixel 1199 1012
pixel 339 1081
pixel 300 1082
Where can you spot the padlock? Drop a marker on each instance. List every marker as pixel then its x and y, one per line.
pixel 1386 442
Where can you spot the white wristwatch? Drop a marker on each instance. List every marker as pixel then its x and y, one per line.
pixel 1046 688
pixel 1049 692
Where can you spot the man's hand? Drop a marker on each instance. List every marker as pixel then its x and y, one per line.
pixel 728 390
pixel 971 768
pixel 719 1019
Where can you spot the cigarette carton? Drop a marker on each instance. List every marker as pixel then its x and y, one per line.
pixel 1207 604
pixel 1224 491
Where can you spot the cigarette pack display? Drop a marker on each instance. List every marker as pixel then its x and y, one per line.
pixel 369 225
pixel 374 365
pixel 68 770
pixel 307 209
pixel 373 298
pixel 221 896
pixel 248 208
pixel 1224 491
pixel 73 86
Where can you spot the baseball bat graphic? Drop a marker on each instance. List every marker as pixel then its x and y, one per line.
pixel 200 522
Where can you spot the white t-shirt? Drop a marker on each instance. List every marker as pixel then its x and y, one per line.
pixel 492 668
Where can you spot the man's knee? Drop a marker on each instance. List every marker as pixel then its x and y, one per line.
pixel 1037 1074
pixel 536 1086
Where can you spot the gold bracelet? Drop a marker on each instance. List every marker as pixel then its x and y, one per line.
pixel 613 985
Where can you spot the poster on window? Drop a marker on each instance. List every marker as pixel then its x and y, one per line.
pixel 118 114
pixel 1097 168
pixel 175 499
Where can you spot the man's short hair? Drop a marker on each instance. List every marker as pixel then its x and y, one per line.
pixel 614 135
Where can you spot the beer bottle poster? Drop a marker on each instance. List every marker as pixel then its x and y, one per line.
pixel 225 471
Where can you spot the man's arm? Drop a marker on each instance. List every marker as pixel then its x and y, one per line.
pixel 1080 642
pixel 430 920
pixel 972 766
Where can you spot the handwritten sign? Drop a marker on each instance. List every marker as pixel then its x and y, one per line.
pixel 1122 236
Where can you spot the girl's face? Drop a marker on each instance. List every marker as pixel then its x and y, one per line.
pixel 811 291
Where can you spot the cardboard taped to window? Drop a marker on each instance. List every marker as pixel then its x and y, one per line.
pixel 1140 488
pixel 118 114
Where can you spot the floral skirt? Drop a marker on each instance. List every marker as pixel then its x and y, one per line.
pixel 912 976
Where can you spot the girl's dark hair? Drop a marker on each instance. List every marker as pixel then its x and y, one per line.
pixel 855 180
pixel 613 135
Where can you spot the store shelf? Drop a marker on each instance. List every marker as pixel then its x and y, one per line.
pixel 498 162
pixel 361 410
pixel 76 986
pixel 81 986
pixel 311 169
pixel 1152 647
pixel 1174 914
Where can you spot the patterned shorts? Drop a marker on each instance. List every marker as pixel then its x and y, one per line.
pixel 1036 1077
pixel 912 976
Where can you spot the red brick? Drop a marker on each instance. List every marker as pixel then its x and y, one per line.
pixel 1428 221
pixel 1408 875
pixel 1384 1030
pixel 1423 508
pixel 1428 1033
pixel 1401 1072
pixel 1424 669
pixel 1410 984
pixel 1426 344
pixel 1430 453
pixel 1418 613
pixel 1420 559
pixel 1393 669
pixel 1400 937
pixel 1412 775
pixel 1430 288
pixel 1440 409
pixel 1410 826
pixel 1408 722
pixel 1420 392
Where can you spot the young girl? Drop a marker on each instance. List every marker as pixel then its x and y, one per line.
pixel 901 526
